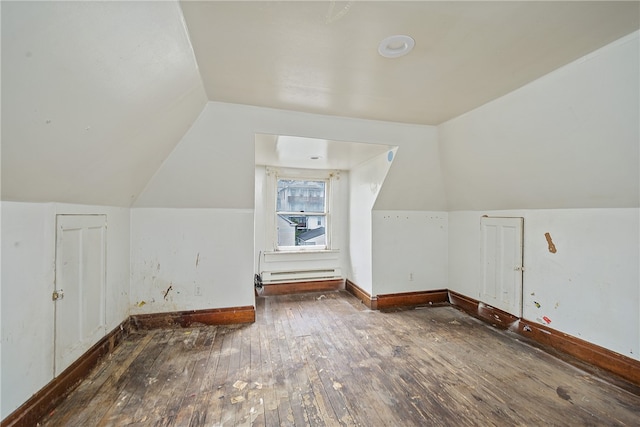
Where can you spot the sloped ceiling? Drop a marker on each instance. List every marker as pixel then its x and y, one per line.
pixel 95 95
pixel 321 56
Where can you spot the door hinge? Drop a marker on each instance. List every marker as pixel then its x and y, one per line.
pixel 57 294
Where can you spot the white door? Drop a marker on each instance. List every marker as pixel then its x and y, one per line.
pixel 502 263
pixel 80 286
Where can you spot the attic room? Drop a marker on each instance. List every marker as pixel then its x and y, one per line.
pixel 480 172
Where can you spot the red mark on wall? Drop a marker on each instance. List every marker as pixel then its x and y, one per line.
pixel 546 319
pixel 552 247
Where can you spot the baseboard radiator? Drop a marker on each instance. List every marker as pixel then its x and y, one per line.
pixel 307 275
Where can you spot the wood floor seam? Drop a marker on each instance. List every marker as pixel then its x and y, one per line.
pixel 324 359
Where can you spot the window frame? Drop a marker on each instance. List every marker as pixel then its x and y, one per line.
pixel 302 175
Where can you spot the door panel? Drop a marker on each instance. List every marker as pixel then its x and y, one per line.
pixel 80 280
pixel 501 256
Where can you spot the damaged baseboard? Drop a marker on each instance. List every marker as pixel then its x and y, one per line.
pixel 361 294
pixel 399 300
pixel 50 396
pixel 413 299
pixel 584 354
pixel 185 319
pixel 498 318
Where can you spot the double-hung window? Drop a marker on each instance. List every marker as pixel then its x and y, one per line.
pixel 302 214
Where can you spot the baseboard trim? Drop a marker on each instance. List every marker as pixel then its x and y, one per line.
pixel 589 353
pixel 413 299
pixel 185 319
pixel 585 355
pixel 496 317
pixel 48 397
pixel 301 287
pixel 361 294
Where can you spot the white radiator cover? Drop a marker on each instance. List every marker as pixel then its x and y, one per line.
pixel 283 267
pixel 300 275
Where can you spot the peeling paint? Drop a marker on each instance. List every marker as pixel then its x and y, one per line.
pixel 552 247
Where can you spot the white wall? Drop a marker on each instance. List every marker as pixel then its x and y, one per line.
pixel 589 288
pixel 214 167
pixel 28 261
pixel 409 251
pixel 186 249
pixel 214 164
pixel 567 140
pixel 562 152
pixel 366 181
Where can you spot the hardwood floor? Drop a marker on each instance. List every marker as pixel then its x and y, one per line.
pixel 325 359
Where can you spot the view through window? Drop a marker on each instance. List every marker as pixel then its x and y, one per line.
pixel 301 212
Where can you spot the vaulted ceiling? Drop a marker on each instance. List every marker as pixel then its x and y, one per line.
pixel 96 95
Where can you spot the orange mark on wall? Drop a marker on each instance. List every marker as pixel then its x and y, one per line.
pixel 552 247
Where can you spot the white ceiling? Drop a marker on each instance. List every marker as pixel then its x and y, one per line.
pixel 321 57
pixel 96 95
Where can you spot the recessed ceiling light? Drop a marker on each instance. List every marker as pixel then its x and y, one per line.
pixel 396 46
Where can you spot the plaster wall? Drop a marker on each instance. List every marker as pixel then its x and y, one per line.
pixel 190 259
pixel 409 251
pixel 567 140
pixel 28 273
pixel 588 288
pixel 213 166
pixel 366 181
pixel 563 152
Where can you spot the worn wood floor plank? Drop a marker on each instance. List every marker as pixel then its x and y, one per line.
pixel 297 415
pixel 270 406
pixel 326 360
pixel 204 347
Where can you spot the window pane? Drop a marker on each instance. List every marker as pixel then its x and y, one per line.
pixel 301 230
pixel 300 196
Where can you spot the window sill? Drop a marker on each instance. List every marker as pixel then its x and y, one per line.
pixel 323 254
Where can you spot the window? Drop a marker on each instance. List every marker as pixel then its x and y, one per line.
pixel 301 213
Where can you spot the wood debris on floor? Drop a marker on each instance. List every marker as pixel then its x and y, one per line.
pixel 329 361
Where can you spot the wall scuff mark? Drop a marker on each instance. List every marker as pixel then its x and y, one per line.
pixel 552 247
pixel 167 292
